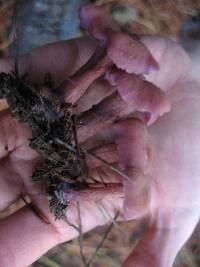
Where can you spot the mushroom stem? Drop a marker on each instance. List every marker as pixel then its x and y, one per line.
pixel 101 116
pixel 94 192
pixel 75 86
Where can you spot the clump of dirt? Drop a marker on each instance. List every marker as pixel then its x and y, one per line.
pixel 53 126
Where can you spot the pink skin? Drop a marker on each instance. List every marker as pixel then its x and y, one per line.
pixel 168 164
pixel 137 59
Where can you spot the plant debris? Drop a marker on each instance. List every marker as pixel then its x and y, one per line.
pixel 50 121
pixel 63 169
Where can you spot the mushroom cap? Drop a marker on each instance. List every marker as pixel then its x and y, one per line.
pixel 130 54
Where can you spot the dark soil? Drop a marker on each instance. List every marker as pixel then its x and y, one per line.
pixel 53 126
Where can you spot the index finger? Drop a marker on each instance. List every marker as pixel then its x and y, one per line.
pixel 60 59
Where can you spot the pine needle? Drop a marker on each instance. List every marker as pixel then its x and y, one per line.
pixel 102 241
pixel 109 216
pixel 80 238
pixel 48 262
pixel 106 163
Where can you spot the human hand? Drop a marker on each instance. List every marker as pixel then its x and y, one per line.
pixel 50 235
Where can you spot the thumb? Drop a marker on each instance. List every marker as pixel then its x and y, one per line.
pixel 133 148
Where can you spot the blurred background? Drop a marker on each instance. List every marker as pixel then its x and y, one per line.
pixel 42 21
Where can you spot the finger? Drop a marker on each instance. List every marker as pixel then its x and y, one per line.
pixel 60 59
pixel 140 94
pixel 134 154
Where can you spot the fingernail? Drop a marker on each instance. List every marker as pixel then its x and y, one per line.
pixel 152 65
